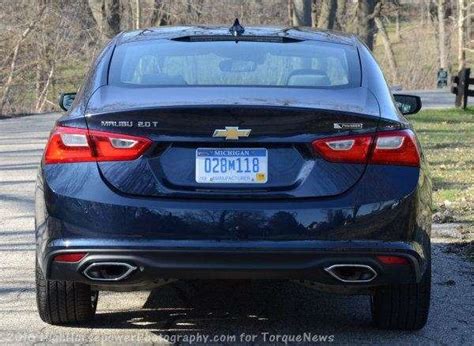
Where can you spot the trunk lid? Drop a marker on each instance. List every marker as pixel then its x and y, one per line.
pixel 282 121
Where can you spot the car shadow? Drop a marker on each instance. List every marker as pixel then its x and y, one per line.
pixel 231 307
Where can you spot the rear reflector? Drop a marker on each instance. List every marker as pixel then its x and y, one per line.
pixel 67 144
pixel 70 257
pixel 393 260
pixel 385 148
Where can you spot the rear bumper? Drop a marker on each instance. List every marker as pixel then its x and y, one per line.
pixel 305 260
pixel 232 239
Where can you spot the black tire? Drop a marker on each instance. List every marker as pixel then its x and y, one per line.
pixel 403 307
pixel 63 302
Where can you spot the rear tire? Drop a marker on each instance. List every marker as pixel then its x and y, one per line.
pixel 403 307
pixel 63 302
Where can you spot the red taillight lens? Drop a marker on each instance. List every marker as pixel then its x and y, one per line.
pixel 393 260
pixel 67 144
pixel 386 148
pixel 354 149
pixel 70 257
pixel 396 148
pixel 117 147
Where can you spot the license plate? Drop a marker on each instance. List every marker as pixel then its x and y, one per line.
pixel 231 166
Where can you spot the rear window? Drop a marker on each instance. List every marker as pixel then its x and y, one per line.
pixel 161 63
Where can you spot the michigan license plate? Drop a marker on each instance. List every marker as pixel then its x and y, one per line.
pixel 231 166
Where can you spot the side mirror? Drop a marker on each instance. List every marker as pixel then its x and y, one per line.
pixel 407 104
pixel 66 100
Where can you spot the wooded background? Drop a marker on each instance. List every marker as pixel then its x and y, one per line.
pixel 46 46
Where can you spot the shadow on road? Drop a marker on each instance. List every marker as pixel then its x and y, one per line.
pixel 218 307
pixel 287 308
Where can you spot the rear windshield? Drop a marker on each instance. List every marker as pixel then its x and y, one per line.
pixel 161 63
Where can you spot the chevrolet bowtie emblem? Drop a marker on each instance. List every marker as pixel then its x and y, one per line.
pixel 231 132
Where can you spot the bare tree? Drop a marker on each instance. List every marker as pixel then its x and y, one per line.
pixel 53 56
pixel 112 17
pixel 462 16
pixel 21 39
pixel 340 14
pixel 327 15
pixel 365 21
pixel 465 22
pixel 397 23
pixel 108 13
pixel 160 16
pixel 138 14
pixel 386 42
pixel 195 10
pixel 302 12
pixel 314 13
pixel 442 34
pixel 470 23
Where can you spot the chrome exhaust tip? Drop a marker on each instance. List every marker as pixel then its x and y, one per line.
pixel 108 271
pixel 352 273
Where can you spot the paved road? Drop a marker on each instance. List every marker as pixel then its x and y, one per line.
pixel 192 309
pixel 432 99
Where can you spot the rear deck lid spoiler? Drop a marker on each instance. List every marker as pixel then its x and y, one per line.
pixel 108 99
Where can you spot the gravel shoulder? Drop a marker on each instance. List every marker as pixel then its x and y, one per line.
pixel 182 310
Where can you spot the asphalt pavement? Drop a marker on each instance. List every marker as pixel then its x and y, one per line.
pixel 212 311
pixel 434 99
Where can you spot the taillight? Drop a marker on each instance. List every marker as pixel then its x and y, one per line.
pixel 68 144
pixel 396 148
pixel 386 148
pixel 354 149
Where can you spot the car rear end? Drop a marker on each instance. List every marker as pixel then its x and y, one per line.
pixel 203 158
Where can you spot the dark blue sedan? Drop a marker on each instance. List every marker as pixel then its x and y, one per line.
pixel 241 153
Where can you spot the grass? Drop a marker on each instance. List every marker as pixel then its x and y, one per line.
pixel 447 138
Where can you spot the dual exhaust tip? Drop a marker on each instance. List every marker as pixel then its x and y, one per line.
pixel 352 273
pixel 109 271
pixel 117 271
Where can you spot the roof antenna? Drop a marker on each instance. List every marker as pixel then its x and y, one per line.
pixel 236 29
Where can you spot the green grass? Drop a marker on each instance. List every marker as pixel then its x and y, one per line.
pixel 447 138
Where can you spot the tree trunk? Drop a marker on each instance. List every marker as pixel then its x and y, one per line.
pixel 314 13
pixel 107 13
pixel 388 49
pixel 290 12
pixel 340 13
pixel 89 24
pixel 88 18
pixel 159 16
pixel 442 34
pixel 470 24
pixel 365 21
pixel 461 34
pixel 138 14
pixel 301 12
pixel 44 93
pixel 194 10
pixel 327 14
pixel 397 24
